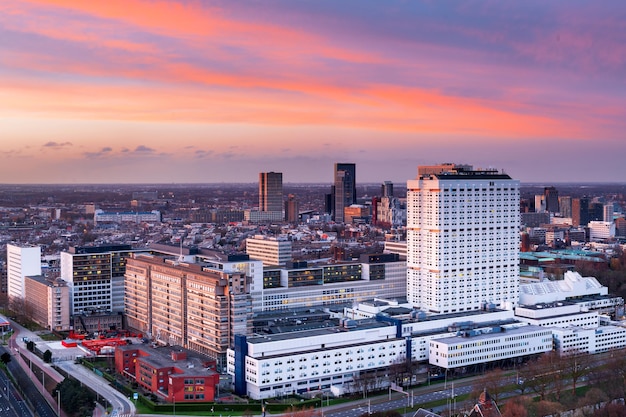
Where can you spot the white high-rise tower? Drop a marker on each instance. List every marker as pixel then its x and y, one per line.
pixel 462 239
pixel 22 261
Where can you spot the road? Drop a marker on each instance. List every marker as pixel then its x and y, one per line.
pixel 11 404
pixel 121 405
pixel 29 389
pixel 400 401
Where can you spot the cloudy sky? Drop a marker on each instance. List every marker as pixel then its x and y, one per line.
pixel 198 91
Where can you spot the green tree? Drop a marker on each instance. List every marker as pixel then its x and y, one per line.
pixel 76 400
pixel 5 358
pixel 47 356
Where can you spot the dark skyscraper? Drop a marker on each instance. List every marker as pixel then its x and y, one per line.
pixel 386 189
pixel 551 197
pixel 271 191
pixel 345 189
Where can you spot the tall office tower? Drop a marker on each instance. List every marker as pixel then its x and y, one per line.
pixel 386 189
pixel 271 191
pixel 95 275
pixel 462 239
pixel 580 211
pixel 22 261
pixel 291 209
pixel 551 198
pixel 608 213
pixel 540 203
pixel 345 189
pixel 565 206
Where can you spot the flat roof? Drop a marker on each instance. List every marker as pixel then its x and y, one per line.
pixel 490 335
pixel 320 331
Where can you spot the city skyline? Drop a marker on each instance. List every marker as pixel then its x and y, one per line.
pixel 197 92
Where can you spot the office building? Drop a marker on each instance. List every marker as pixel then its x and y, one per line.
pixel 565 206
pixel 199 306
pixel 22 261
pixel 540 204
pixel 601 231
pixel 271 191
pixel 462 239
pixel 551 198
pixel 386 189
pixel 291 209
pixel 270 250
pixel 580 211
pixel 48 302
pixel 345 189
pixel 304 285
pixel 473 347
pixel 95 276
pixel 609 211
pixel 101 216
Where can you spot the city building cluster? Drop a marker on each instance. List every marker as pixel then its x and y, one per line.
pixel 322 294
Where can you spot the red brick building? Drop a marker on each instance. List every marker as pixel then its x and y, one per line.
pixel 172 373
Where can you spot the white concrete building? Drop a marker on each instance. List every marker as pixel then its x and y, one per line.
pixel 271 251
pixel 572 286
pixel 473 348
pixel 601 230
pixel 462 239
pixel 557 314
pixel 316 359
pixel 22 260
pixel 589 340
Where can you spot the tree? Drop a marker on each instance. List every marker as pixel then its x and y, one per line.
pixel 75 399
pixel 30 345
pixel 5 358
pixel 575 366
pixel 492 381
pixel 47 356
pixel 516 407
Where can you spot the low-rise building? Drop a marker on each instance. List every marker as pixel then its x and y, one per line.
pixel 473 347
pixel 174 374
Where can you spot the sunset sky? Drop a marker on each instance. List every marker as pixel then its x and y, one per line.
pixel 129 91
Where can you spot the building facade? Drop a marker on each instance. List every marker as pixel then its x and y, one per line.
pixel 300 285
pixel 271 191
pixel 95 276
pixel 462 239
pixel 291 209
pixel 174 375
pixel 269 250
pixel 196 306
pixel 48 302
pixel 22 261
pixel 344 189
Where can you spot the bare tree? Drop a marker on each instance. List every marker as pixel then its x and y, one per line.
pixel 492 381
pixel 575 366
pixel 516 407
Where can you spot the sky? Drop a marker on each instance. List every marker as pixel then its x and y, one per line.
pixel 137 91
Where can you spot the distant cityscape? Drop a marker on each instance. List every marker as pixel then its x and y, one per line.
pixel 311 289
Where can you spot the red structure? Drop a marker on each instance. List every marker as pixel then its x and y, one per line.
pixel 173 374
pixel 98 344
